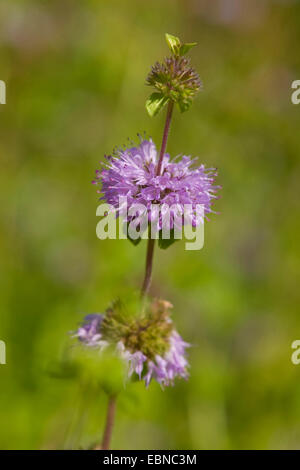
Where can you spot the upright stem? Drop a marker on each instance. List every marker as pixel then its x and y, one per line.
pixel 148 270
pixel 151 241
pixel 165 136
pixel 111 408
pixel 110 417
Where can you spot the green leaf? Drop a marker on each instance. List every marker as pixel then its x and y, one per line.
pixel 65 369
pixel 155 103
pixel 184 48
pixel 173 43
pixel 164 243
pixel 136 241
pixel 184 105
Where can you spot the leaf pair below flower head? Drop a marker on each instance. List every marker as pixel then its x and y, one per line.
pixel 155 103
pixel 163 243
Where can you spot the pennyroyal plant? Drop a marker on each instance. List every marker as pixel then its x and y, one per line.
pixel 145 337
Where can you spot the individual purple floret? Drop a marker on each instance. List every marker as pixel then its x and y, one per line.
pixel 131 173
pixel 164 369
pixel 89 331
pixel 174 364
pixel 134 360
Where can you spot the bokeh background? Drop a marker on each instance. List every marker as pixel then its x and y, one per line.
pixel 75 74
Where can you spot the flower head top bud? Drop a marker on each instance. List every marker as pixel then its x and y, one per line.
pixel 149 344
pixel 173 79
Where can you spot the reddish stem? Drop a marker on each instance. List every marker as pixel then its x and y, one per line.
pixel 151 241
pixel 165 136
pixel 148 270
pixel 110 417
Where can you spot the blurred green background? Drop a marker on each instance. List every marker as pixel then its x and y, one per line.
pixel 75 74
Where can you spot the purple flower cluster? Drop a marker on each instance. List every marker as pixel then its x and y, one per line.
pixel 131 173
pixel 164 369
pixel 173 364
pixel 89 332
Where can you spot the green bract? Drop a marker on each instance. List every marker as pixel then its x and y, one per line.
pixel 173 43
pixel 176 47
pixel 148 333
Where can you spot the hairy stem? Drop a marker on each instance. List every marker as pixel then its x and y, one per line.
pixel 151 241
pixel 110 417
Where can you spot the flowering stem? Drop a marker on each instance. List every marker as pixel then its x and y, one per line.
pixel 151 241
pixel 110 417
pixel 165 136
pixel 148 271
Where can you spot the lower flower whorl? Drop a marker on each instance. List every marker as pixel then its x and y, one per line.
pixel 149 344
